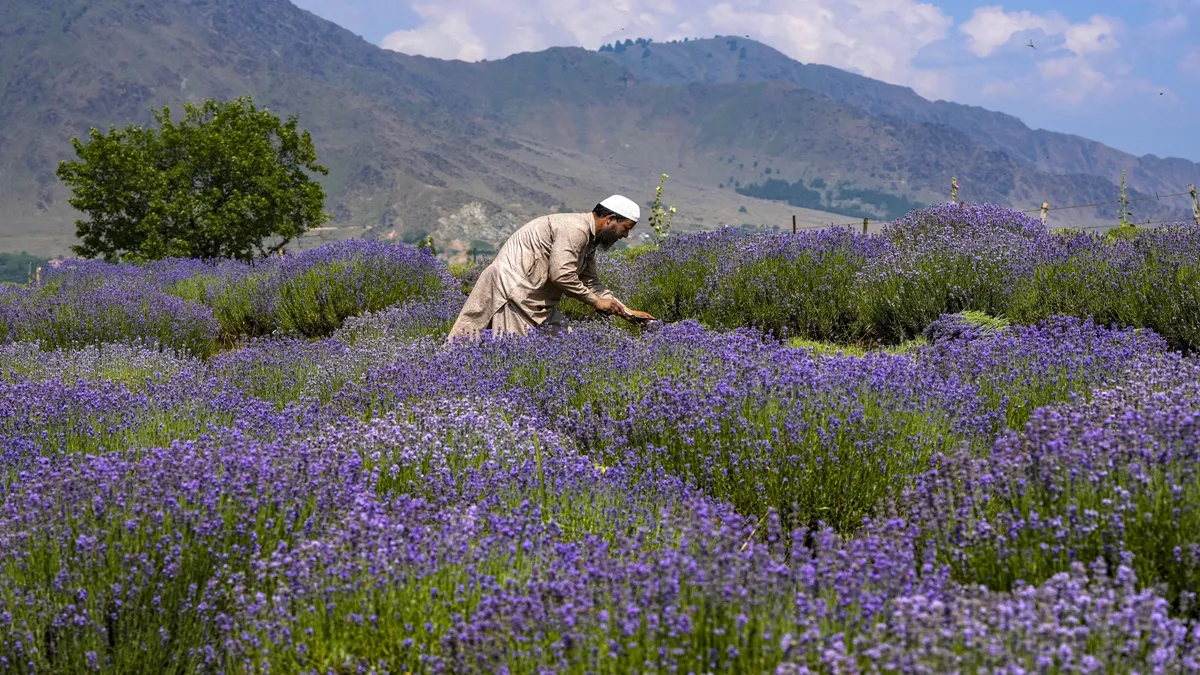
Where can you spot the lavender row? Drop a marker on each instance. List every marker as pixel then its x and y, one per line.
pixel 440 539
pixel 846 287
pixel 197 307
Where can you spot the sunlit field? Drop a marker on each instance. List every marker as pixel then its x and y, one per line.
pixel 967 444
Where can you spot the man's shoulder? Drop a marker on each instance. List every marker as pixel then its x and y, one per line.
pixel 571 218
pixel 561 219
pixel 579 221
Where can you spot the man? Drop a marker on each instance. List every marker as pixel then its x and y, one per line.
pixel 545 259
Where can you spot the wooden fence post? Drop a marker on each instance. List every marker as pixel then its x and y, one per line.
pixel 1045 208
pixel 793 223
pixel 38 278
pixel 1195 204
pixel 864 224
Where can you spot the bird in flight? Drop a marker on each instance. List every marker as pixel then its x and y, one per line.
pixel 1031 44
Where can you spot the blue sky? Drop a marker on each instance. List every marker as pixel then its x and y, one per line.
pixel 1123 72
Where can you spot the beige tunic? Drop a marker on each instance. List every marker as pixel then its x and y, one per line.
pixel 545 259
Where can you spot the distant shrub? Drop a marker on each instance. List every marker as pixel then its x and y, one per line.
pixel 669 281
pixel 1150 281
pixel 799 285
pixel 319 289
pixel 84 316
pixel 405 321
pixel 467 273
pixel 16 268
pixel 948 258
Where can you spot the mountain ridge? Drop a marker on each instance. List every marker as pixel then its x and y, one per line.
pixel 1149 172
pixel 464 151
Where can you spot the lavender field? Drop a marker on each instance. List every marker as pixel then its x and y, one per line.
pixel 964 445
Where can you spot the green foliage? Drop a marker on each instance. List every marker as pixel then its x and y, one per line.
pixel 1160 294
pixel 843 201
pixel 673 288
pixel 984 320
pixel 427 243
pixel 897 307
pixel 812 295
pixel 243 308
pixel 795 194
pixel 1124 231
pixel 827 348
pixel 1074 287
pixel 891 206
pixel 660 218
pixel 317 301
pixel 222 182
pixel 633 252
pixel 414 237
pixel 576 310
pixel 481 247
pixel 15 267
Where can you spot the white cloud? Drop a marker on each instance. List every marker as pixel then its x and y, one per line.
pixel 1071 63
pixel 1096 36
pixel 1071 80
pixel 456 39
pixel 991 28
pixel 878 38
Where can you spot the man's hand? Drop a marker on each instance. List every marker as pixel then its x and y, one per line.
pixel 633 314
pixel 609 306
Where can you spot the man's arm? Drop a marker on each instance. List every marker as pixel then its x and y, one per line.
pixel 591 278
pixel 569 244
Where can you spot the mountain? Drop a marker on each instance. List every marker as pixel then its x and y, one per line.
pixel 731 59
pixel 466 152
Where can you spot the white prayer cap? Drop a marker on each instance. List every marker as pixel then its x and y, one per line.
pixel 622 206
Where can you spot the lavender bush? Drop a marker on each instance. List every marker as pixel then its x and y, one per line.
pixel 1099 480
pixel 1152 281
pixel 199 306
pixel 836 285
pixel 668 282
pixel 945 259
pixel 792 284
pixel 80 312
pixel 994 497
pixel 319 289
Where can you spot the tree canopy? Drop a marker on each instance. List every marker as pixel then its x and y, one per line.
pixel 227 181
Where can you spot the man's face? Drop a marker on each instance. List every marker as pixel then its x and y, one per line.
pixel 612 229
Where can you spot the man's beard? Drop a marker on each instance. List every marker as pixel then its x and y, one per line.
pixel 606 239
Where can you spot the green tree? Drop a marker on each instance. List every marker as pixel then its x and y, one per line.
pixel 226 181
